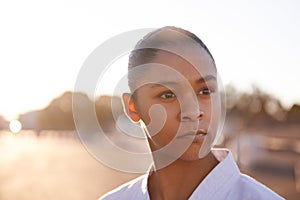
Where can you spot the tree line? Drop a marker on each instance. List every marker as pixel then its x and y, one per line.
pixel 255 108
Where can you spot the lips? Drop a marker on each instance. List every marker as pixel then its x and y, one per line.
pixel 201 132
pixel 195 137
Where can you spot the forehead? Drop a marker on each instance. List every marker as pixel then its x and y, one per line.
pixel 194 59
pixel 196 64
pixel 190 64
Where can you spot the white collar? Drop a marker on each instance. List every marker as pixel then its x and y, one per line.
pixel 225 170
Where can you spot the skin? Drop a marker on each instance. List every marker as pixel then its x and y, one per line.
pixel 187 101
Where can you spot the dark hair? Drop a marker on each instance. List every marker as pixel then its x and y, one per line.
pixel 144 53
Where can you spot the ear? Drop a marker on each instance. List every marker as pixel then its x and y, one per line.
pixel 130 108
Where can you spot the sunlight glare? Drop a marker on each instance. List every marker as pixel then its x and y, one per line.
pixel 15 126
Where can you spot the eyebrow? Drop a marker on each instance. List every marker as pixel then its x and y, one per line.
pixel 207 78
pixel 201 80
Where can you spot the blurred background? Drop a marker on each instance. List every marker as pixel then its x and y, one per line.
pixel 43 45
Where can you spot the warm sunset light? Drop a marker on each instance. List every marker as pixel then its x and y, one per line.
pixel 65 99
pixel 15 126
pixel 256 47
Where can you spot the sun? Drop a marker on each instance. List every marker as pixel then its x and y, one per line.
pixel 15 126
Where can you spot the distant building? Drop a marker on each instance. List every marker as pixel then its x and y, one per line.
pixel 3 123
pixel 29 120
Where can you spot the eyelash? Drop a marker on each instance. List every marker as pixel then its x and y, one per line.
pixel 204 91
pixel 210 90
pixel 167 93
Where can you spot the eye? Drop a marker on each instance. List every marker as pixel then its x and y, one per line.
pixel 168 95
pixel 206 91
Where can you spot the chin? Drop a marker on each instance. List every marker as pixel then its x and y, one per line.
pixel 189 158
pixel 191 154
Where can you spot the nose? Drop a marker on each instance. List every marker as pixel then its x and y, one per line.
pixel 192 116
pixel 190 111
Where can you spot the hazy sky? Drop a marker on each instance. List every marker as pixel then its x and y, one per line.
pixel 44 43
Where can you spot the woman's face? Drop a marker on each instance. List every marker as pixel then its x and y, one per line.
pixel 179 103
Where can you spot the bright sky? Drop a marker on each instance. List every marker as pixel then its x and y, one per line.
pixel 44 43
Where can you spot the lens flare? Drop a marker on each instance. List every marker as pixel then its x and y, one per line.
pixel 15 126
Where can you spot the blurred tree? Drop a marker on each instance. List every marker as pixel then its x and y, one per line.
pixel 254 108
pixel 293 115
pixel 58 114
pixel 250 108
pixel 108 110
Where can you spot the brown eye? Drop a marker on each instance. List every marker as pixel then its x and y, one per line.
pixel 168 95
pixel 206 91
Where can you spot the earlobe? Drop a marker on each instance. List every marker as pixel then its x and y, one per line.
pixel 130 107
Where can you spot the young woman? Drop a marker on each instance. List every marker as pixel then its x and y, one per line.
pixel 175 95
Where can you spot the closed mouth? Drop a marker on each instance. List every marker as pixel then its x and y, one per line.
pixel 195 137
pixel 201 132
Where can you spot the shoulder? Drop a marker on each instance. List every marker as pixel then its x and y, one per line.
pixel 233 184
pixel 249 188
pixel 130 190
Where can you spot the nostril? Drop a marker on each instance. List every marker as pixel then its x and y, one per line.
pixel 201 114
pixel 192 116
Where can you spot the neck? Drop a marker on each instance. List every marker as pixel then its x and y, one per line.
pixel 179 179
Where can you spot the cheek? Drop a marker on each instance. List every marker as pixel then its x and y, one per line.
pixel 145 115
pixel 215 111
pixel 143 107
pixel 159 112
pixel 206 106
pixel 161 122
pixel 211 109
pixel 155 117
pixel 211 106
